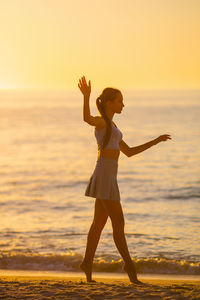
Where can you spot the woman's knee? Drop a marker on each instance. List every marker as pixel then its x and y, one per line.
pixel 100 215
pixel 98 224
pixel 118 222
pixel 115 212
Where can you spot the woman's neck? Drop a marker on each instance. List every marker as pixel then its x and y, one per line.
pixel 110 115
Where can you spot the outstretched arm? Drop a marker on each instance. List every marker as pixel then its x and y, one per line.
pixel 86 90
pixel 130 151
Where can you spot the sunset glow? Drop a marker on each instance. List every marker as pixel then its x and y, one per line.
pixel 129 44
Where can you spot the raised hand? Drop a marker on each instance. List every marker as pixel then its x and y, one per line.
pixel 163 138
pixel 85 89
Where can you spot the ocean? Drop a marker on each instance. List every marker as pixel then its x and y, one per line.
pixel 48 154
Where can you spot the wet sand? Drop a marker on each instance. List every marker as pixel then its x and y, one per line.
pixel 68 287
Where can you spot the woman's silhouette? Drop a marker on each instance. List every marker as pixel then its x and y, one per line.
pixel 103 182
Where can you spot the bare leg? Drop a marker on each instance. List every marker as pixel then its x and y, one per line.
pixel 100 219
pixel 115 212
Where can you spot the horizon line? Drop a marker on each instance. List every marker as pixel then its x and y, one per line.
pixel 94 89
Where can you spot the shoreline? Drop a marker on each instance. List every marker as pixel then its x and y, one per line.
pixel 109 275
pixel 41 285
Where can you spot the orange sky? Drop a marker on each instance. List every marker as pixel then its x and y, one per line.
pixel 50 44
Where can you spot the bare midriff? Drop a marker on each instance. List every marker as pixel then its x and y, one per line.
pixel 109 153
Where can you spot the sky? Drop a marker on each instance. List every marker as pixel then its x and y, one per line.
pixel 133 44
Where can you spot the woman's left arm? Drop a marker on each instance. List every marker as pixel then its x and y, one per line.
pixel 130 151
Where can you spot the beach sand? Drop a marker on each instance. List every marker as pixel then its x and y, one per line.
pixel 76 287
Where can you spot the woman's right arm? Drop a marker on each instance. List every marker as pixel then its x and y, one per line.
pixel 86 90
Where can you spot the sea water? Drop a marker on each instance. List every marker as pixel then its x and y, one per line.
pixel 47 155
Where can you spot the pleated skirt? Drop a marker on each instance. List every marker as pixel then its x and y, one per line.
pixel 103 182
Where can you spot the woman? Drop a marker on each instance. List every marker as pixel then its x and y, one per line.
pixel 103 182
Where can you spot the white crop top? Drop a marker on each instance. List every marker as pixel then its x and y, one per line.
pixel 115 137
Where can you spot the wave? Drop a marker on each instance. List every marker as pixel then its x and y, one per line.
pixel 71 261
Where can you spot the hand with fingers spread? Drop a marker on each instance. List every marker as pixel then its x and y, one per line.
pixel 85 89
pixel 163 138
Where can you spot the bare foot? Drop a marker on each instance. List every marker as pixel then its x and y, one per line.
pixel 130 270
pixel 87 269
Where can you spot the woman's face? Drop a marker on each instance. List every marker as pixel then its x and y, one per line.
pixel 117 104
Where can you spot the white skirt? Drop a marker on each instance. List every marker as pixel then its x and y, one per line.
pixel 103 182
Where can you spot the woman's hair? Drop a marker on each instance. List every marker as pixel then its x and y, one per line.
pixel 108 94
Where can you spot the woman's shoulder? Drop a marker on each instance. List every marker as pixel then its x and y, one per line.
pixel 101 123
